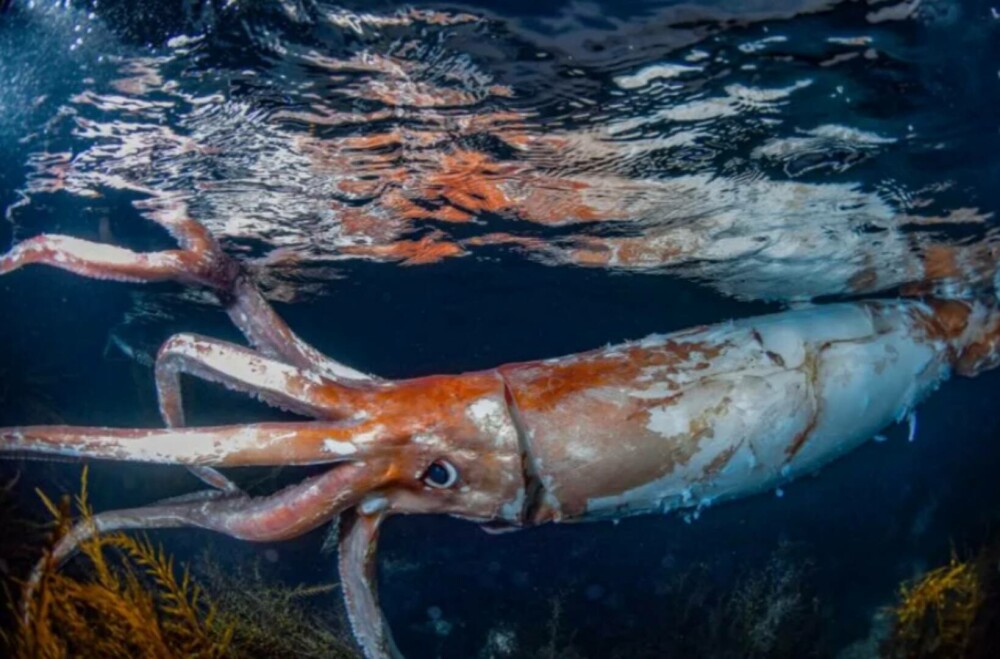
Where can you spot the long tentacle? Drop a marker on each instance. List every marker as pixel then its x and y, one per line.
pixel 265 444
pixel 173 417
pixel 358 566
pixel 238 368
pixel 200 261
pixel 286 514
pixel 277 384
pixel 266 331
pixel 99 261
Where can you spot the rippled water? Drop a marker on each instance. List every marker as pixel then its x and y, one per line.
pixel 445 175
pixel 771 159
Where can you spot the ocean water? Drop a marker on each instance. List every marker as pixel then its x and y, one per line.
pixel 443 187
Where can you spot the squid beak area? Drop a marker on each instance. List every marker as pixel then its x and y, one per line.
pixel 358 562
pixel 297 509
pixel 358 541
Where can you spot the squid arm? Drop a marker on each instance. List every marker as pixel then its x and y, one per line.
pixel 669 422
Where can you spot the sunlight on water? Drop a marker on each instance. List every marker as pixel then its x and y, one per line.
pixel 421 135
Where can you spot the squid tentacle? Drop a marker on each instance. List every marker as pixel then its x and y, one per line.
pixel 201 261
pixel 289 513
pixel 109 262
pixel 215 478
pixel 357 563
pixel 101 261
pixel 268 333
pixel 236 367
pixel 172 411
pixel 263 444
pixel 241 369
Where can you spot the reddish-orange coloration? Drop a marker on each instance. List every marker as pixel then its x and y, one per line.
pixel 950 319
pixel 470 181
pixel 428 249
pixel 863 280
pixel 669 422
pixel 802 436
pixel 542 386
pixel 940 262
pixel 593 250
pixel 983 351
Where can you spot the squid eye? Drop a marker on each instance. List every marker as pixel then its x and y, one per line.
pixel 440 474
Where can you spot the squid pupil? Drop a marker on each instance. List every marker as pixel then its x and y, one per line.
pixel 437 474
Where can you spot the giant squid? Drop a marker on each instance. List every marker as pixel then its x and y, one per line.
pixel 668 422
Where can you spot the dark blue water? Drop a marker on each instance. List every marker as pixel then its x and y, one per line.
pixel 783 151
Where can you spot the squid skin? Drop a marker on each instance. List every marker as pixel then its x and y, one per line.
pixel 674 421
pixel 697 417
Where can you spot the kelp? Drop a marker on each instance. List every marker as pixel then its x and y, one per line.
pixel 271 619
pixel 951 611
pixel 127 603
pixel 127 598
pixel 935 613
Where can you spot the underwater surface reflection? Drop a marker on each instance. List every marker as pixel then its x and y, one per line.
pixel 442 187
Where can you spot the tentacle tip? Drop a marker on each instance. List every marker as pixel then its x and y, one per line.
pixel 20 255
pixel 8 263
pixel 29 588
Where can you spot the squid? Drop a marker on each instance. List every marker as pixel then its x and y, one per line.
pixel 669 422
